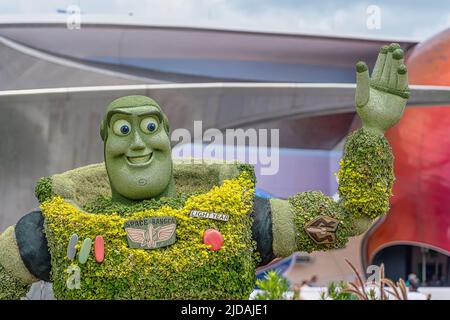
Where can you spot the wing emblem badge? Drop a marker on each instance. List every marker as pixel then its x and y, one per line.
pixel 151 233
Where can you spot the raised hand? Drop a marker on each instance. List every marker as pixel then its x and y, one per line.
pixel 381 100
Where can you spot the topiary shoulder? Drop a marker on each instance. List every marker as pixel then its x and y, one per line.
pixel 88 187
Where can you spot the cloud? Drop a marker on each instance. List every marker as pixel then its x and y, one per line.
pixel 401 19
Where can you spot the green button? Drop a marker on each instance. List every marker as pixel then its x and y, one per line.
pixel 84 251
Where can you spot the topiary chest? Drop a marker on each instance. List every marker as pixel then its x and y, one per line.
pixel 186 269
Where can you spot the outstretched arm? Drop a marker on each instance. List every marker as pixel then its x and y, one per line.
pixel 366 174
pixel 311 221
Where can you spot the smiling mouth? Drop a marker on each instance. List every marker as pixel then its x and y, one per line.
pixel 140 160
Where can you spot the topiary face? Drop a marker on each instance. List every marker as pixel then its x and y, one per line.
pixel 137 148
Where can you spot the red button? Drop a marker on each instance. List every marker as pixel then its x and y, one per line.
pixel 213 238
pixel 99 249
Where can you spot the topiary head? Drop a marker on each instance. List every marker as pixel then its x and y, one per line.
pixel 137 150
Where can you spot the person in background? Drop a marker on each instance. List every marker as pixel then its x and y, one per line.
pixel 435 282
pixel 313 281
pixel 413 282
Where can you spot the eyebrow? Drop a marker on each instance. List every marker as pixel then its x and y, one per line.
pixel 156 113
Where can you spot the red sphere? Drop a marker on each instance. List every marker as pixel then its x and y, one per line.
pixel 213 238
pixel 420 205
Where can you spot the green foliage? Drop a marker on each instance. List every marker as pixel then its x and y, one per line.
pixel 194 177
pixel 43 189
pixel 372 294
pixel 273 287
pixel 105 205
pixel 10 287
pixel 336 291
pixel 366 174
pixel 365 184
pixel 309 205
pixel 184 270
pixel 248 169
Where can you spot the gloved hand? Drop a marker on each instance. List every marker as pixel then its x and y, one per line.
pixel 380 101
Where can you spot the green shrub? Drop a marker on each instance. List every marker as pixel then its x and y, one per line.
pixel 336 291
pixel 43 189
pixel 273 287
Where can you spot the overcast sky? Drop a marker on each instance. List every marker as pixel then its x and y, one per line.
pixel 405 19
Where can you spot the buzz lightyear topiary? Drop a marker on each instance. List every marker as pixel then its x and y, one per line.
pixel 142 226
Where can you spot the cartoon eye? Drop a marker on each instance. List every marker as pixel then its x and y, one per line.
pixel 121 127
pixel 149 125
